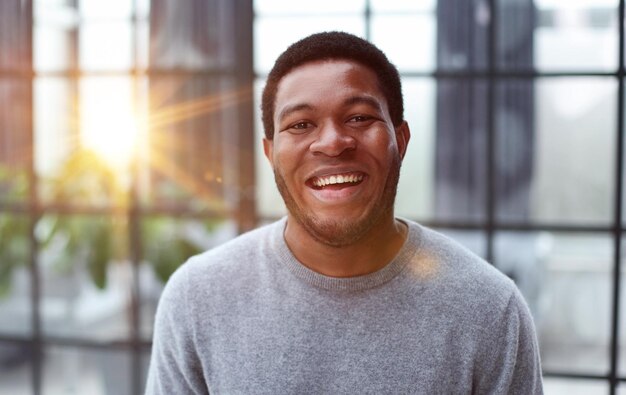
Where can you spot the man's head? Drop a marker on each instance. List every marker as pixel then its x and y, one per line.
pixel 334 146
pixel 333 45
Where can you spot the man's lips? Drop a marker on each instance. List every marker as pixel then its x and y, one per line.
pixel 336 180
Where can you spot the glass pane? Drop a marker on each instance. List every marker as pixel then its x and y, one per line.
pixel 193 159
pixel 460 150
pixel 85 179
pixel 55 120
pixel 15 282
pixel 15 130
pixel 143 8
pixel 52 48
pixel 106 46
pixel 58 13
pixel 194 35
pixel 167 244
pixel 272 35
pixel 572 172
pixel 415 189
pixel 278 7
pixel 83 371
pixel 558 386
pixel 462 35
pixel 15 45
pixel 84 159
pixel 145 365
pixel 143 44
pixel 420 56
pixel 86 277
pixel 109 120
pixel 105 9
pixel 15 369
pixel 473 240
pixel 566 280
pixel 269 203
pixel 515 45
pixel 575 35
pixel 517 152
pixel 402 5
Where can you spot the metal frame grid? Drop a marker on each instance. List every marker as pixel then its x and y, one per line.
pixel 492 74
pixel 246 216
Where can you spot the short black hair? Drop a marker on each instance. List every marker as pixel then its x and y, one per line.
pixel 327 46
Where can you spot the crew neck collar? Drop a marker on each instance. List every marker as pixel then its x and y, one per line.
pixel 410 247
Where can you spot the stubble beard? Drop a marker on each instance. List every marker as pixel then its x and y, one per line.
pixel 338 232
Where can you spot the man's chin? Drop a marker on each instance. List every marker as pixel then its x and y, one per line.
pixel 335 232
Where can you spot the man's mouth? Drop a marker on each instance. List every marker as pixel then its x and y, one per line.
pixel 336 180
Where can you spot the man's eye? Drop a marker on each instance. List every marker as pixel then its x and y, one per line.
pixel 360 118
pixel 300 126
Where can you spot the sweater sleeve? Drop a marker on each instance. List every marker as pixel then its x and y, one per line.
pixel 174 365
pixel 509 360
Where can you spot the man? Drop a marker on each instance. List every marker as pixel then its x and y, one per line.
pixel 340 296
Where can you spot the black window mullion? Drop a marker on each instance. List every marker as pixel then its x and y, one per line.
pixel 492 80
pixel 618 207
pixel 33 214
pixel 134 229
pixel 246 216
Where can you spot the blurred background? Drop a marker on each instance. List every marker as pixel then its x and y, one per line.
pixel 130 140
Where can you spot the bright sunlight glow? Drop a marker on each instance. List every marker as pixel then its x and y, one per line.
pixel 109 122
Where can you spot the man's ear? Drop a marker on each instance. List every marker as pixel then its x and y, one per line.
pixel 403 135
pixel 268 148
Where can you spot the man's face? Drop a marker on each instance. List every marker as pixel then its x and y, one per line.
pixel 336 154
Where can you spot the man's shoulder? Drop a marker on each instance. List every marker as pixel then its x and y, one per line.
pixel 460 275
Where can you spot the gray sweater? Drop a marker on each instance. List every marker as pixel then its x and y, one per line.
pixel 248 318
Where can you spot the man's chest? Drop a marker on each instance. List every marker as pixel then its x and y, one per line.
pixel 331 351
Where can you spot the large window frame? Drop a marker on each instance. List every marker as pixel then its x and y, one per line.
pixel 493 74
pixel 246 214
pixel 134 347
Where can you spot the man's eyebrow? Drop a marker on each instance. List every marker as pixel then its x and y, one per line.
pixel 367 100
pixel 286 111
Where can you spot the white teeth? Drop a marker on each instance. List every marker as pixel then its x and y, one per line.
pixel 340 179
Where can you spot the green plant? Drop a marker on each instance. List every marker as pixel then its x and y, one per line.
pixel 96 241
pixel 166 246
pixel 86 179
pixel 81 240
pixel 14 229
pixel 71 240
pixel 14 243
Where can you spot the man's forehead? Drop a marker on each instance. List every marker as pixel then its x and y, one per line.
pixel 308 77
pixel 322 63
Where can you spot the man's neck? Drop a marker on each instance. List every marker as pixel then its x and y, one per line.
pixel 370 253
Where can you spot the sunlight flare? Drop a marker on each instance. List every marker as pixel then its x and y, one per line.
pixel 109 121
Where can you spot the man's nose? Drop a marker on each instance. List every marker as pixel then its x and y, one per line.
pixel 332 140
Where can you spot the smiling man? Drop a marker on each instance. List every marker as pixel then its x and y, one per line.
pixel 336 157
pixel 340 296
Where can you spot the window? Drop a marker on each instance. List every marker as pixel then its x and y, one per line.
pixel 129 140
pixel 115 167
pixel 514 111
